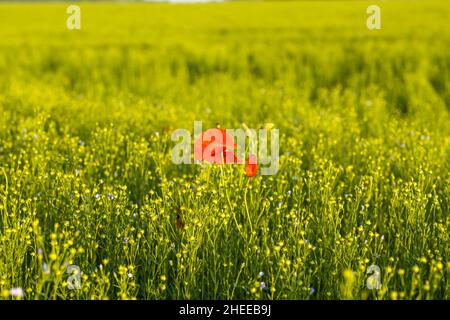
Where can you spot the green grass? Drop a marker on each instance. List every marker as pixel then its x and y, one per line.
pixel 364 167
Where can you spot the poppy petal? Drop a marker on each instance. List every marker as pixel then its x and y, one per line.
pixel 251 166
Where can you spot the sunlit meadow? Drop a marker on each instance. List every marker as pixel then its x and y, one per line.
pixel 86 176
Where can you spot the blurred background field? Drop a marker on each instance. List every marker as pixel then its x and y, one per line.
pixel 86 176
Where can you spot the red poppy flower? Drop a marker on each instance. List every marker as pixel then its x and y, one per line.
pixel 251 166
pixel 215 146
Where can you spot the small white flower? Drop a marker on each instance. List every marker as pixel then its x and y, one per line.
pixel 46 268
pixel 16 292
